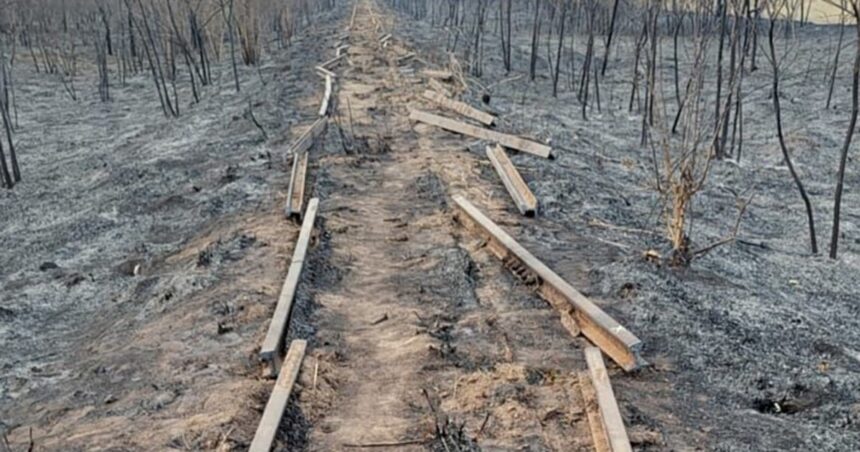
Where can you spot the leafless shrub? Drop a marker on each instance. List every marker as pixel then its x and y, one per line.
pixel 682 161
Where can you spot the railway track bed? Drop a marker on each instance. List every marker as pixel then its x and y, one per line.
pixel 422 341
pixel 369 247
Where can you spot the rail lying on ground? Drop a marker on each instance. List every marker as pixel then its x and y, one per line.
pixel 332 61
pixel 268 427
pixel 514 183
pixel 607 427
pixel 323 72
pixel 460 107
pixel 298 175
pixel 296 193
pixel 326 96
pixel 505 140
pixel 578 313
pixel 270 351
pixel 592 412
pixel 306 140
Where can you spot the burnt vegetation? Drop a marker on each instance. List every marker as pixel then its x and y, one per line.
pixel 687 83
pixel 110 42
pixel 689 78
pixel 145 240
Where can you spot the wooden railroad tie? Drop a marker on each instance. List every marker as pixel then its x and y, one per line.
pixel 274 412
pixel 514 183
pixel 270 351
pixel 462 108
pixel 508 141
pixel 607 426
pixel 296 193
pixel 578 313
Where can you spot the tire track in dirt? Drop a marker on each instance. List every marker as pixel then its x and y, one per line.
pixel 419 306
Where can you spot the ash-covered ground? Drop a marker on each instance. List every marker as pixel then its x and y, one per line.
pixel 141 255
pixel 755 346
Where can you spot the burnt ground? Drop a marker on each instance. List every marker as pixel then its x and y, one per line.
pixel 96 357
pixel 420 315
pixel 752 348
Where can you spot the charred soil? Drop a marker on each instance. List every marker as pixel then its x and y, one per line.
pixel 142 261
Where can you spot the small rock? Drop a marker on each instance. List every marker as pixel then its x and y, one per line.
pixel 628 290
pixel 110 399
pixel 224 328
pixel 162 399
pixel 380 319
pixel 48 266
pixel 231 174
pixel 131 267
pixel 204 258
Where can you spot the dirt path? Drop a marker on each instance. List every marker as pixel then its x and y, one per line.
pixel 419 314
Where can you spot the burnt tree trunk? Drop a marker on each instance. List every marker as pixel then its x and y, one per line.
pixel 718 152
pixel 785 154
pixel 835 62
pixel 843 159
pixel 535 43
pixel 4 170
pixel 609 34
pixel 560 50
